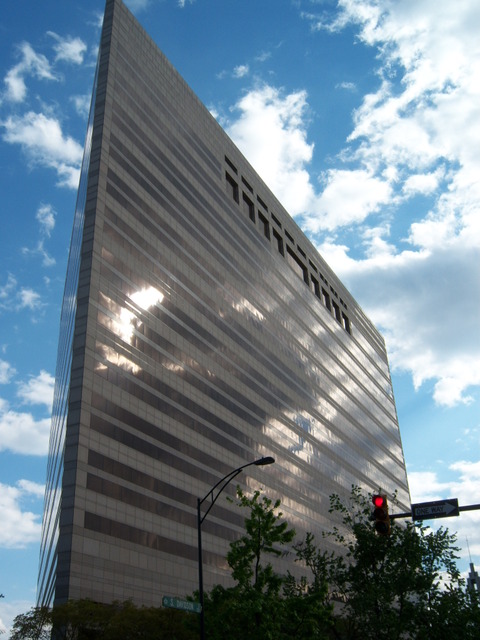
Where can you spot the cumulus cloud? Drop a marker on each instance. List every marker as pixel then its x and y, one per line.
pixel 22 433
pixel 241 71
pixel 411 163
pixel 425 486
pixel 38 389
pixel 45 215
pixel 31 64
pixel 348 86
pixel 29 299
pixel 82 104
pixel 42 139
pixel 31 488
pixel 15 298
pixel 349 197
pixel 20 525
pixel 6 372
pixel 422 183
pixel 68 49
pixel 425 297
pixel 423 303
pixel 7 290
pixel 271 131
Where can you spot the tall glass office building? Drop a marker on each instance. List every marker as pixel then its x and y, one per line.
pixel 200 331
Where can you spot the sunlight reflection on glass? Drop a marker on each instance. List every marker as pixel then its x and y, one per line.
pixel 122 321
pixel 145 299
pixel 111 355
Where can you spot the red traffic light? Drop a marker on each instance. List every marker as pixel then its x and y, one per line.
pixel 380 514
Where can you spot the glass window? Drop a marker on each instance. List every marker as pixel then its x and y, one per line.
pixel 248 207
pixel 265 224
pixel 232 187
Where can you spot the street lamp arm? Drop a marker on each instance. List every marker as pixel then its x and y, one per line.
pixel 226 480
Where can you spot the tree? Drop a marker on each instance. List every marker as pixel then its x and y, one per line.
pixel 250 608
pixel 264 605
pixel 310 611
pixel 87 620
pixel 36 624
pixel 402 586
pixel 81 619
pixel 265 535
pixel 405 585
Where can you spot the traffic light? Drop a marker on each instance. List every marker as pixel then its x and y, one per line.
pixel 380 514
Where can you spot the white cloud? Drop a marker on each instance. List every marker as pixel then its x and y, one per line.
pixel 241 71
pixel 425 298
pixel 82 104
pixel 44 142
pixel 422 183
pixel 348 198
pixel 425 486
pixel 7 290
pixel 14 299
pixel 31 63
pixel 416 135
pixel 38 389
pixel 46 217
pixel 348 86
pixel 20 527
pixel 263 56
pixel 6 372
pixel 271 131
pixel 68 49
pixel 424 303
pixel 29 299
pixel 408 140
pixel 22 433
pixel 32 488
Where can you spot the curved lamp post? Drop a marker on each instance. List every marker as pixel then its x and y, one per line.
pixel 213 494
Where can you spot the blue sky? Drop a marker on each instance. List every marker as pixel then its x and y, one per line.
pixel 363 116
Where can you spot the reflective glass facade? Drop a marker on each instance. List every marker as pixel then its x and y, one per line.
pixel 201 330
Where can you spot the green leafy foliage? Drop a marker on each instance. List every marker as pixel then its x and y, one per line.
pixel 87 620
pixel 265 535
pixel 405 586
pixel 264 605
pixel 36 624
pixel 402 586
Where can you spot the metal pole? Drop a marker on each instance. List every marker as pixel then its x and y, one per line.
pixel 200 570
pixel 225 480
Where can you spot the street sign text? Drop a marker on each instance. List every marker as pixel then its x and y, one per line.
pixel 437 509
pixel 184 605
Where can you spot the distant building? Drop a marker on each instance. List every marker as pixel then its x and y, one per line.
pixel 200 330
pixel 473 581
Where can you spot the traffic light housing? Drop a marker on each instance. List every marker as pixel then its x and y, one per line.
pixel 380 514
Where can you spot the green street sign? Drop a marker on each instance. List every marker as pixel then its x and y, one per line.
pixel 184 605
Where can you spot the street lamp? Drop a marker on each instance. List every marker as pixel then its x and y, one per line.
pixel 213 494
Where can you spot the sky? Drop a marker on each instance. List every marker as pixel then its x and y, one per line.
pixel 362 116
